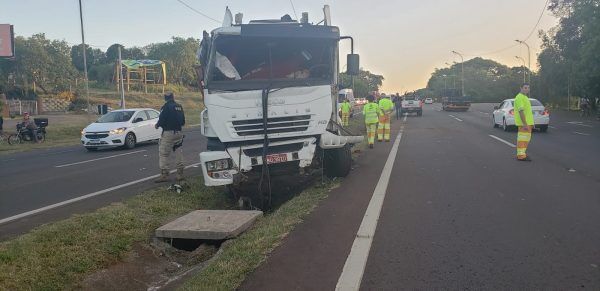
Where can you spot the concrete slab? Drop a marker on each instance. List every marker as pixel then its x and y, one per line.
pixel 209 224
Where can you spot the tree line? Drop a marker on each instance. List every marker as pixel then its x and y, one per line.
pixel 53 66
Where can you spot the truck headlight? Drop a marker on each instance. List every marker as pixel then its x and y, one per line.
pixel 218 165
pixel 118 130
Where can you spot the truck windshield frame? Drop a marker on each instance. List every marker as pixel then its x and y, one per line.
pixel 241 63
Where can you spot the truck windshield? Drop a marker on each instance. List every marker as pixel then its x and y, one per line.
pixel 243 63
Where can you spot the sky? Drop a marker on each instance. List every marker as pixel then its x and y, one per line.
pixel 403 40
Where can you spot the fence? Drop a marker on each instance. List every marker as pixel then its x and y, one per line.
pixel 17 107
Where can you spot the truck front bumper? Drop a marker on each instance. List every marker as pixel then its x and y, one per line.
pixel 241 159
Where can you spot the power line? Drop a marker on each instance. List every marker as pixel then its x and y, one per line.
pixel 538 21
pixel 514 45
pixel 293 8
pixel 193 9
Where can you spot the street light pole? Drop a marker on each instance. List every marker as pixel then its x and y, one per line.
pixel 462 65
pixel 85 74
pixel 528 58
pixel 520 58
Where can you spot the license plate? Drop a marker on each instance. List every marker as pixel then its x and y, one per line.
pixel 276 158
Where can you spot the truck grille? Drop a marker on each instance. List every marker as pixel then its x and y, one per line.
pixel 286 148
pixel 298 123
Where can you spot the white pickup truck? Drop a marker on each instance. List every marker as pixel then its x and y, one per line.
pixel 411 104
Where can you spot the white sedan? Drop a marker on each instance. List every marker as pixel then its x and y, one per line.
pixel 428 100
pixel 504 115
pixel 121 128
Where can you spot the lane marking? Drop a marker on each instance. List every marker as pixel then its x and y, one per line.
pixel 99 159
pixel 80 198
pixel 456 118
pixel 581 133
pixel 551 126
pixel 404 119
pixel 503 141
pixel 354 267
pixel 483 112
pixel 580 123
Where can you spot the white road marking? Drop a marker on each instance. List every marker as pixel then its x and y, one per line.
pixel 581 133
pixel 80 198
pixel 99 159
pixel 580 123
pixel 404 119
pixel 551 126
pixel 503 141
pixel 354 267
pixel 483 112
pixel 456 118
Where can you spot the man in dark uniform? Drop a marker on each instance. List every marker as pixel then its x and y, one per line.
pixel 171 120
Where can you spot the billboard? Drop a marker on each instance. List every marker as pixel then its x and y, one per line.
pixel 7 41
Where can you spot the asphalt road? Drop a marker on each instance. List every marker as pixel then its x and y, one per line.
pixel 38 179
pixel 459 212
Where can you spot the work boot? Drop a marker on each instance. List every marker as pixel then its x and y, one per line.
pixel 180 176
pixel 526 159
pixel 164 177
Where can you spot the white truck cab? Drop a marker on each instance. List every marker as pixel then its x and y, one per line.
pixel 270 91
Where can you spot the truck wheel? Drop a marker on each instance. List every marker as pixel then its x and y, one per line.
pixel 337 162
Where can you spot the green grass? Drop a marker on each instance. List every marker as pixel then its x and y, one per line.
pixel 59 255
pixel 243 255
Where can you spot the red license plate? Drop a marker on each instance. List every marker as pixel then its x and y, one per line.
pixel 276 158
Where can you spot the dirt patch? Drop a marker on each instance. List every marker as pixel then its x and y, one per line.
pixel 149 266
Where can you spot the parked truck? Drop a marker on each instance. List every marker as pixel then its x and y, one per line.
pixel 452 100
pixel 270 93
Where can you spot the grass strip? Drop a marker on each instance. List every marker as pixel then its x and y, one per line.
pixel 59 255
pixel 244 254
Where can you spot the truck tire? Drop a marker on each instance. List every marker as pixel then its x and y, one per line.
pixel 337 162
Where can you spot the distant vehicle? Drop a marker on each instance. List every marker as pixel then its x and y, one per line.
pixel 346 94
pixel 428 100
pixel 504 115
pixel 453 100
pixel 411 104
pixel 121 128
pixel 23 135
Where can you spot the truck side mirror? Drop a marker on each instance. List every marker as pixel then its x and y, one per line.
pixel 353 64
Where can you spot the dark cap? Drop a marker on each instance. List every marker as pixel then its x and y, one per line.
pixel 169 96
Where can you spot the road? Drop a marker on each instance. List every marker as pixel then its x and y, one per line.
pixel 453 209
pixel 38 180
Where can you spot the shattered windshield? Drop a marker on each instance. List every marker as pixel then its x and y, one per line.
pixel 240 63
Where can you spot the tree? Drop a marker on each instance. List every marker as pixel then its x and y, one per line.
pixel 364 83
pixel 180 56
pixel 93 57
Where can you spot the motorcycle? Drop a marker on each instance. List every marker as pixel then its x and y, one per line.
pixel 23 134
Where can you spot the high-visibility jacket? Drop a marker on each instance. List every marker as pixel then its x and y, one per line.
pixel 522 103
pixel 386 105
pixel 371 112
pixel 346 107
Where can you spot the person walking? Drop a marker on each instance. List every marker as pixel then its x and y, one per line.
pixel 384 129
pixel 398 105
pixel 171 119
pixel 524 122
pixel 346 107
pixel 371 112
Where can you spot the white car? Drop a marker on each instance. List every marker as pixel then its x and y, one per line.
pixel 504 115
pixel 121 128
pixel 428 100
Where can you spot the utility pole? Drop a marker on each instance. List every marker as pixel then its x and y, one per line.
pixel 120 74
pixel 520 58
pixel 528 59
pixel 85 72
pixel 462 65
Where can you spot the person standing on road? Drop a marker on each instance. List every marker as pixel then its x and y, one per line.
pixel 386 106
pixel 524 122
pixel 371 112
pixel 398 105
pixel 346 108
pixel 171 119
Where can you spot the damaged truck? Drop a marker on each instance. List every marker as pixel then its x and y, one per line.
pixel 270 93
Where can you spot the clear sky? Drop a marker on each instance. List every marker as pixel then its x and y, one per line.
pixel 405 40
